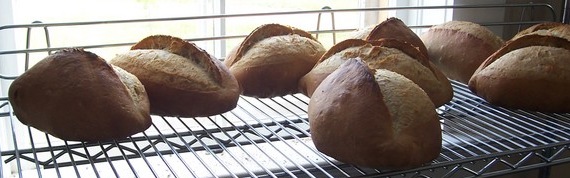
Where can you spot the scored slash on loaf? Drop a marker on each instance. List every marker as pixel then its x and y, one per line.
pixel 272 58
pixel 181 79
pixel 391 54
pixel 373 118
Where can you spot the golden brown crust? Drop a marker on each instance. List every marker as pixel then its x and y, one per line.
pixel 260 33
pixel 75 95
pixel 458 51
pixel 180 47
pixel 530 72
pixel 391 54
pixel 180 78
pixel 350 120
pixel 405 47
pixel 272 59
pixel 395 28
pixel 536 27
pixel 526 41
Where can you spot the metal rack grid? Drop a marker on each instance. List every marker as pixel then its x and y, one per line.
pixel 270 138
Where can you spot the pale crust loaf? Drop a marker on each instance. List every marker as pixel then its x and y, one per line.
pixel 457 48
pixel 181 79
pixel 530 73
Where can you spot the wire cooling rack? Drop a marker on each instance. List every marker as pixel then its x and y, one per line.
pixel 271 137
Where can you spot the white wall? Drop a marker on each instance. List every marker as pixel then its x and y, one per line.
pixel 7 63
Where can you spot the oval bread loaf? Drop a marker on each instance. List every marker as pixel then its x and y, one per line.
pixel 75 95
pixel 181 79
pixel 457 48
pixel 531 72
pixel 272 58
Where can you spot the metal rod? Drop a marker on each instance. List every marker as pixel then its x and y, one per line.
pixel 479 6
pixel 72 160
pixel 286 130
pixel 250 115
pixel 104 151
pixel 260 150
pixel 34 153
pixel 53 156
pixel 224 148
pixel 566 12
pixel 125 158
pixel 90 161
pixel 160 155
pixel 316 152
pixel 187 145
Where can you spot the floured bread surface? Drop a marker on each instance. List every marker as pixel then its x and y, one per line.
pixel 180 78
pixel 405 100
pixel 378 57
pixel 473 29
pixel 272 59
pixel 532 63
pixel 280 50
pixel 160 66
pixel 134 87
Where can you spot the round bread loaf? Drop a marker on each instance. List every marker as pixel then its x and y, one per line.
pixel 556 29
pixel 391 54
pixel 457 48
pixel 272 59
pixel 75 95
pixel 395 28
pixel 530 73
pixel 373 118
pixel 181 79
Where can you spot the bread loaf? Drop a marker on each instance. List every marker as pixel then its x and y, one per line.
pixel 181 79
pixel 556 29
pixel 531 72
pixel 272 59
pixel 391 54
pixel 373 118
pixel 75 95
pixel 457 48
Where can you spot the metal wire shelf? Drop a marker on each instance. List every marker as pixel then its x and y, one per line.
pixel 479 139
pixel 271 137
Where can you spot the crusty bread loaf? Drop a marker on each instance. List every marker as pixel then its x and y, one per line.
pixel 395 28
pixel 531 73
pixel 361 33
pixel 556 29
pixel 457 48
pixel 391 54
pixel 272 59
pixel 373 118
pixel 75 95
pixel 391 28
pixel 181 79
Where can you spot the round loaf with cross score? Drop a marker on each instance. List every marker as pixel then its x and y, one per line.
pixel 531 72
pixel 373 118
